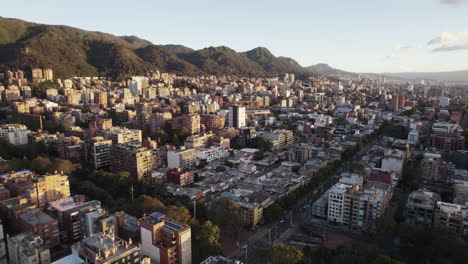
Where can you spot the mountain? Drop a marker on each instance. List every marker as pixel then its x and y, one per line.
pixel 325 69
pixel 271 64
pixel 451 76
pixel 164 59
pixel 176 49
pixel 76 52
pixel 223 60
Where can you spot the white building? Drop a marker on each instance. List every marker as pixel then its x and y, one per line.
pixel 413 137
pixel 15 134
pixel 394 160
pixel 236 116
pixel 336 202
pixel 212 153
pixel 181 158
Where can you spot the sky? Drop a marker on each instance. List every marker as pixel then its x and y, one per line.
pixel 353 35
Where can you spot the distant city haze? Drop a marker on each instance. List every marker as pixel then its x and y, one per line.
pixel 352 35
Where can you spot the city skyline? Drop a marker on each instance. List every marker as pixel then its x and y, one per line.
pixel 399 36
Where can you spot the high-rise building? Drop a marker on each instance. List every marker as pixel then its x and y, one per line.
pixel 133 159
pixel 363 206
pixel 70 213
pixel 28 248
pixel 165 241
pixel 15 134
pixel 213 122
pixel 420 207
pixel 98 152
pixel 447 138
pixel 434 169
pixel 106 249
pixel 191 122
pixel 158 121
pixel 236 116
pixel 48 188
pixel 181 158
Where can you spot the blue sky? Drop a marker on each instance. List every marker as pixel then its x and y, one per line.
pixel 354 35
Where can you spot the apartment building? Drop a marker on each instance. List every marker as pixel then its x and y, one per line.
pixel 236 116
pixel 198 141
pixel 70 213
pixel 363 206
pixel 123 135
pixel 48 188
pixel 181 158
pixel 213 122
pixel 158 121
pixel 279 138
pixel 42 224
pixel 448 218
pixel 105 248
pixel 446 138
pixel 212 153
pixel 12 208
pixel 191 122
pixel 180 176
pixel 98 152
pixel 15 134
pixel 394 161
pixel 165 241
pixel 434 169
pixel 133 159
pixel 420 207
pixel 28 248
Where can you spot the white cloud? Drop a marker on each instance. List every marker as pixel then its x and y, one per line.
pixel 451 48
pixel 454 2
pixel 407 49
pixel 447 38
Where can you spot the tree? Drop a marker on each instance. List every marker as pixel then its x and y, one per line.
pixel 228 216
pixel 208 238
pixel 273 212
pixel 145 204
pixel 180 214
pixel 41 164
pixel 281 254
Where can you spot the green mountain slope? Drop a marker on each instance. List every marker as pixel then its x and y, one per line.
pixel 272 64
pixel 223 61
pixel 164 59
pixel 75 52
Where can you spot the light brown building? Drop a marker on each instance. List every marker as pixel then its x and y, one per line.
pixel 213 122
pixel 165 241
pixel 191 122
pixel 48 188
pixel 136 160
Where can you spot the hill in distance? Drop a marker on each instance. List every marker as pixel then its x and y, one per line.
pixel 450 76
pixel 75 52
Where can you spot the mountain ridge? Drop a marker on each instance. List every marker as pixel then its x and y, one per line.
pixel 76 52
